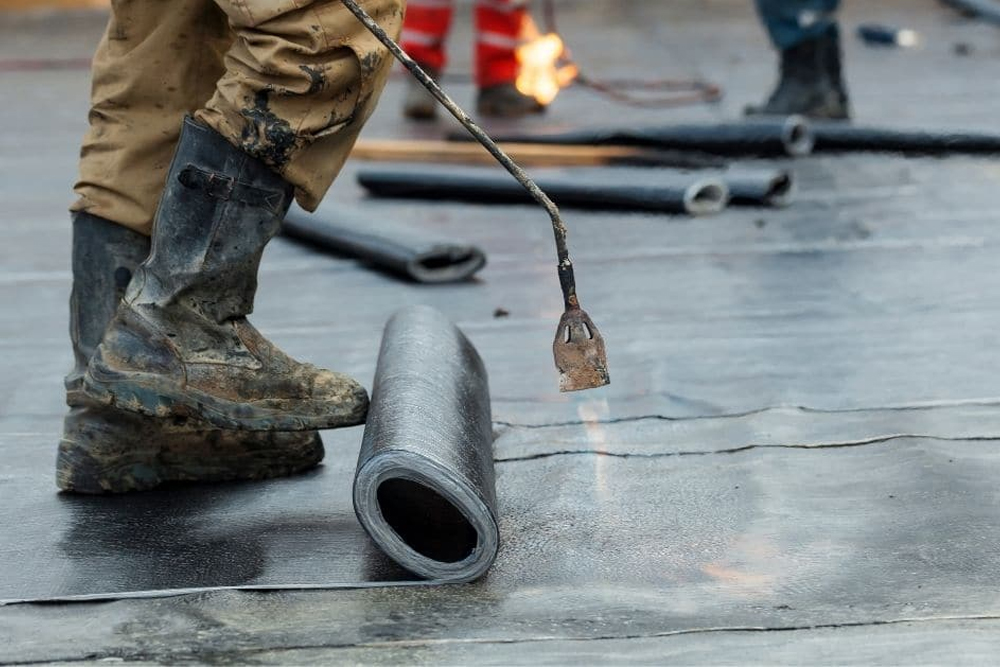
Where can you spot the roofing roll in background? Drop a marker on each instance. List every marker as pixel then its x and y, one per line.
pixel 425 485
pixel 397 251
pixel 765 188
pixel 694 195
pixel 986 10
pixel 765 137
pixel 833 136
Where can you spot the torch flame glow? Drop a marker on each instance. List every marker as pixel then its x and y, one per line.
pixel 542 73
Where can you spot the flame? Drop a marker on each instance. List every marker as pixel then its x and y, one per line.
pixel 543 69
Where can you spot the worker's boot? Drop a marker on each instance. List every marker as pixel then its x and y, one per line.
pixel 104 449
pixel 811 82
pixel 506 101
pixel 180 344
pixel 419 104
pixel 832 59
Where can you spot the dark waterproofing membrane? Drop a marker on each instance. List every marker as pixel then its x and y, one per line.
pixel 985 10
pixel 766 137
pixel 762 188
pixel 846 137
pixel 425 488
pixel 402 253
pixel 695 195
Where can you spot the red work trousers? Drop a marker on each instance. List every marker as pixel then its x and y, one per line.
pixel 498 32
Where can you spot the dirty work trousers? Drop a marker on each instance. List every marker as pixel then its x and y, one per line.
pixel 289 81
pixel 790 22
pixel 498 34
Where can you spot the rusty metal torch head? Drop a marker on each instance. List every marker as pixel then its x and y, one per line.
pixel 579 352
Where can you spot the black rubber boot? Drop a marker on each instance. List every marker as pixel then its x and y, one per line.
pixel 180 344
pixel 419 104
pixel 811 82
pixel 105 450
pixel 506 101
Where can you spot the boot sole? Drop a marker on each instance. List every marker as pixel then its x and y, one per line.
pixel 96 469
pixel 79 469
pixel 150 395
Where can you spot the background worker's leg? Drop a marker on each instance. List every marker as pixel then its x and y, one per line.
pixel 499 26
pixel 424 32
pixel 790 22
pixel 301 79
pixel 498 34
pixel 157 62
pixel 810 83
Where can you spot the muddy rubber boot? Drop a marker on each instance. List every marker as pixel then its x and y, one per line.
pixel 419 104
pixel 811 82
pixel 105 450
pixel 180 344
pixel 506 101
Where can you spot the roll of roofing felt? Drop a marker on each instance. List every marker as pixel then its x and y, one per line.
pixel 985 10
pixel 403 253
pixel 765 188
pixel 694 195
pixel 766 136
pixel 846 137
pixel 425 485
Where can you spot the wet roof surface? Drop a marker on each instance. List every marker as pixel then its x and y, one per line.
pixel 797 460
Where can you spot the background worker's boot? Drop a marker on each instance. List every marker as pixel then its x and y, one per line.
pixel 811 82
pixel 180 344
pixel 106 450
pixel 419 104
pixel 506 101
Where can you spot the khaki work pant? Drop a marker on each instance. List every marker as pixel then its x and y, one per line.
pixel 289 81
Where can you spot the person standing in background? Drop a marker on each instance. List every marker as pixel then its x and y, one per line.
pixel 498 34
pixel 806 34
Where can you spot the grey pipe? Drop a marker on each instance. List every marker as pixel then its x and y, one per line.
pixel 766 188
pixel 693 196
pixel 845 137
pixel 764 137
pixel 398 252
pixel 425 486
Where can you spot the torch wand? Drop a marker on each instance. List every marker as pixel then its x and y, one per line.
pixel 578 348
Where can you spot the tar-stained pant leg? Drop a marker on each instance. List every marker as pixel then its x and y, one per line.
pixel 158 60
pixel 790 22
pixel 301 79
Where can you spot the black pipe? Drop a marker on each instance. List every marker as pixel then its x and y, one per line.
pixel 425 486
pixel 843 137
pixel 767 188
pixel 406 254
pixel 695 196
pixel 766 137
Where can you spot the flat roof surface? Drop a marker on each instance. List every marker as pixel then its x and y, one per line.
pixel 797 461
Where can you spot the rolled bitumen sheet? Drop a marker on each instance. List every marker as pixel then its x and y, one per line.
pixel 766 137
pixel 765 188
pixel 425 487
pixel 986 10
pixel 834 136
pixel 401 253
pixel 696 195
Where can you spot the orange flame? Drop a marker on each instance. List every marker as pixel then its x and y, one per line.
pixel 543 69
